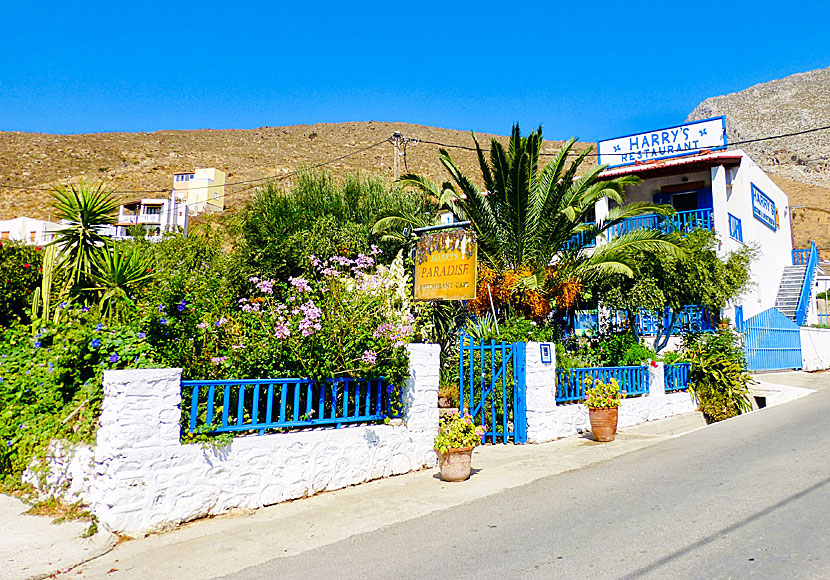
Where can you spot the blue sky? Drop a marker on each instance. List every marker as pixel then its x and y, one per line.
pixel 586 69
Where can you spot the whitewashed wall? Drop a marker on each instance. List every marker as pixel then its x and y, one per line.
pixel 547 421
pixel 140 478
pixel 815 348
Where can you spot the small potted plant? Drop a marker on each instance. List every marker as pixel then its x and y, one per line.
pixel 603 401
pixel 457 436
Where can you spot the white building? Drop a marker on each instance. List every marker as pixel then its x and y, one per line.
pixel 721 190
pixel 155 216
pixel 28 230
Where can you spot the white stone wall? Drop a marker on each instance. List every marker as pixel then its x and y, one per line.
pixel 815 348
pixel 142 479
pixel 547 421
pixel 540 383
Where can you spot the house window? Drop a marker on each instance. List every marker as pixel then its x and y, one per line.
pixel 152 210
pixel 735 231
pixel 32 236
pixel 4 235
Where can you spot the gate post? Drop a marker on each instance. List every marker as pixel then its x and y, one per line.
pixel 540 394
pixel 519 393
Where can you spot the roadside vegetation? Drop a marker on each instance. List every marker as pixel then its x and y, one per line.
pixel 313 280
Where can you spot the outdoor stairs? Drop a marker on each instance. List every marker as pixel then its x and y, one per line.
pixel 790 290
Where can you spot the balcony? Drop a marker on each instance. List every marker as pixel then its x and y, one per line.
pixel 682 221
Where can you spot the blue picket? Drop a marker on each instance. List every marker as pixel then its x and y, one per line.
pixel 363 400
pixel 570 386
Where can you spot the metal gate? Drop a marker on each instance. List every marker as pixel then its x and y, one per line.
pixel 772 342
pixel 492 388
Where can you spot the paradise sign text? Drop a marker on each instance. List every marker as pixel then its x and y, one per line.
pixel 445 266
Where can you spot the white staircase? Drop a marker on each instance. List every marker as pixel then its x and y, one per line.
pixel 790 290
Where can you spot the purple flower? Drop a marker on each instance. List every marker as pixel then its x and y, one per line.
pixel 142 335
pixel 369 357
pixel 181 305
pixel 84 309
pixel 389 389
pixel 161 307
pixel 8 443
pixel 37 344
pixel 99 326
pixel 162 321
pixel 300 284
pixel 375 250
pixel 95 343
pixel 201 325
pixel 114 358
pixel 217 359
pixel 220 322
pixel 62 305
pixel 281 330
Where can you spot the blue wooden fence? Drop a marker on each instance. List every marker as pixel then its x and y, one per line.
pixel 771 342
pixel 492 387
pixel 694 318
pixel 260 404
pixel 676 377
pixel 570 386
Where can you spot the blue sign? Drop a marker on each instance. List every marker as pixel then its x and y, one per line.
pixel 763 208
pixel 708 134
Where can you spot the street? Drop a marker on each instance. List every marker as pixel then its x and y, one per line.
pixel 746 498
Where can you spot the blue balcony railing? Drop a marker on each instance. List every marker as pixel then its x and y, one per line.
pixel 683 222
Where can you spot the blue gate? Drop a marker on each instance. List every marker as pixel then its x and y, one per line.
pixel 492 388
pixel 771 342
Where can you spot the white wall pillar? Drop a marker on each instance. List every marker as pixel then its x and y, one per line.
pixel 656 379
pixel 540 393
pixel 420 391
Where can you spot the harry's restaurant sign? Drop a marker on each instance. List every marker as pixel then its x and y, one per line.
pixel 445 266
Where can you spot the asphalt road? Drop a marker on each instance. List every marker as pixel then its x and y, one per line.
pixel 746 498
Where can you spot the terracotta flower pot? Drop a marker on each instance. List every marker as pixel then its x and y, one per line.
pixel 455 464
pixel 603 423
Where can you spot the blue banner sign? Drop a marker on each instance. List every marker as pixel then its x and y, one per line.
pixel 708 134
pixel 763 208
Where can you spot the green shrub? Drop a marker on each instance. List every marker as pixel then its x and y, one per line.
pixel 718 376
pixel 50 383
pixel 20 267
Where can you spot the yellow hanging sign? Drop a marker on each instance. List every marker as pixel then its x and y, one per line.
pixel 445 266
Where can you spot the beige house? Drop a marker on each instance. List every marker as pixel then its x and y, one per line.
pixel 200 190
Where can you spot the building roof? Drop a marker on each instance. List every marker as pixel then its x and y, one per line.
pixel 675 165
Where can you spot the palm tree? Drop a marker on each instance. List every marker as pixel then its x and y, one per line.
pixel 121 271
pixel 534 226
pixel 85 208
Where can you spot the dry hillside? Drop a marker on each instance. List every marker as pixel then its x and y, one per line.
pixel 800 164
pixel 146 161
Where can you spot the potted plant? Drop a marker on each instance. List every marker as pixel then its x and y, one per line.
pixel 603 401
pixel 457 437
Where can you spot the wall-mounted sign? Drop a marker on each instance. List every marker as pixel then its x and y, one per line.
pixel 445 266
pixel 763 208
pixel 685 139
pixel 546 352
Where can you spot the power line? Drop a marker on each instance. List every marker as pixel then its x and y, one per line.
pixel 243 182
pixel 771 137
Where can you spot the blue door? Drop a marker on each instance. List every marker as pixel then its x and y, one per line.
pixel 492 388
pixel 772 342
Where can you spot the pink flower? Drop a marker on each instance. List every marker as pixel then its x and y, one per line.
pixel 300 284
pixel 369 357
pixel 217 359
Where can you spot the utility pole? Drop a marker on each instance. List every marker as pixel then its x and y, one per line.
pixel 397 139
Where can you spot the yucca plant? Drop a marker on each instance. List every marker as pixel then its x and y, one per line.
pixel 120 272
pixel 85 208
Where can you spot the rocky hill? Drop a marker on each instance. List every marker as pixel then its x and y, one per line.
pixel 800 164
pixel 139 163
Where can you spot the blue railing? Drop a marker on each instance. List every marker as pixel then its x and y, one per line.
pixel 580 240
pixel 260 404
pixel 682 221
pixel 694 318
pixel 570 386
pixel 677 377
pixel 800 257
pixel 807 286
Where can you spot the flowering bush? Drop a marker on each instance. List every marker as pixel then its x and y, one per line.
pixel 50 383
pixel 456 431
pixel 601 395
pixel 350 319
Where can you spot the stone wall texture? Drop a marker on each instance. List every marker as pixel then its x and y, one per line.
pixel 139 478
